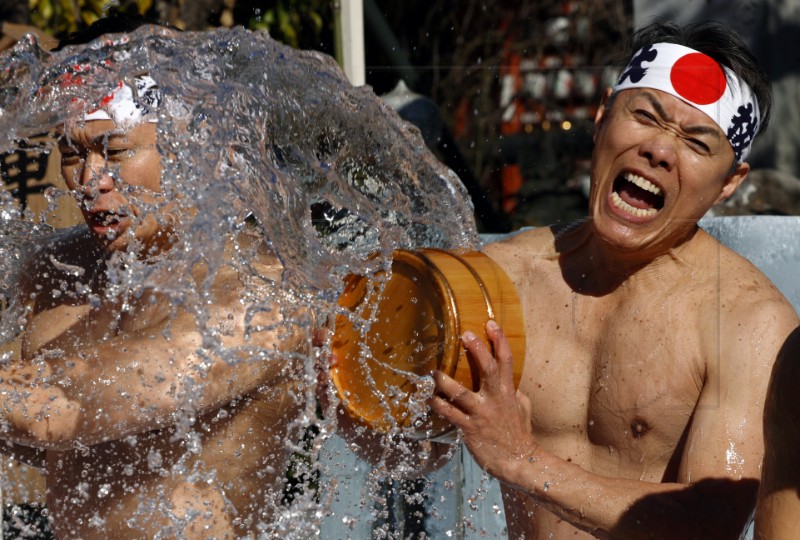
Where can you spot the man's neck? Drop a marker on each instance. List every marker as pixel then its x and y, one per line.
pixel 591 266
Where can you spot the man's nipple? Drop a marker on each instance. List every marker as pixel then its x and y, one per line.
pixel 639 427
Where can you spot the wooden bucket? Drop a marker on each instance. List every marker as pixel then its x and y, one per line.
pixel 415 320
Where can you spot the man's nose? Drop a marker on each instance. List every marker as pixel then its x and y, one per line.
pixel 95 177
pixel 660 151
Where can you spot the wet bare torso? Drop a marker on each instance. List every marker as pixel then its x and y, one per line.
pixel 219 474
pixel 152 483
pixel 614 377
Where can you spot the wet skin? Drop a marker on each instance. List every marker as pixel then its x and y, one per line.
pixel 96 160
pixel 676 150
pixel 649 348
pixel 116 466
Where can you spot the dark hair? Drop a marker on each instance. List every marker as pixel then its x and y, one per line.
pixel 718 41
pixel 116 23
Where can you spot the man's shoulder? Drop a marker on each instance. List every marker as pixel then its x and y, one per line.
pixel 744 282
pixel 748 298
pixel 73 245
pixel 523 252
pixel 533 241
pixel 63 256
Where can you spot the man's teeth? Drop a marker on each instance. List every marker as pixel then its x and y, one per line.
pixel 643 183
pixel 638 212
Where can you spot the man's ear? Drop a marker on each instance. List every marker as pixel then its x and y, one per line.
pixel 733 181
pixel 601 112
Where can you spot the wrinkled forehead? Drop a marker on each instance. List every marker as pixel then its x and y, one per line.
pixel 670 107
pixel 129 103
pixel 122 112
pixel 99 132
pixel 93 94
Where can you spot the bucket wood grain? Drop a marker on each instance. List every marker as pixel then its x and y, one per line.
pixel 415 324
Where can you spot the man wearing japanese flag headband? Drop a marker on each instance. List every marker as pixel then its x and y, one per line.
pixel 701 82
pixel 649 344
pixel 115 144
pixel 127 106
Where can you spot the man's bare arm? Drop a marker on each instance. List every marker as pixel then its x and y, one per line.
pixel 778 509
pixel 140 379
pixel 712 497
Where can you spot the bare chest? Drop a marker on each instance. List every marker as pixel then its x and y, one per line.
pixel 241 446
pixel 74 327
pixel 612 381
pixel 66 328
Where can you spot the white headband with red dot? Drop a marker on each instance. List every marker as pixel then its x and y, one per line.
pixel 125 110
pixel 701 82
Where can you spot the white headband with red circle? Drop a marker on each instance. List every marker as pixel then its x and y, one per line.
pixel 701 82
pixel 125 110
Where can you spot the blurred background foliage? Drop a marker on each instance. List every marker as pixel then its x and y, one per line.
pixel 60 17
pixel 299 23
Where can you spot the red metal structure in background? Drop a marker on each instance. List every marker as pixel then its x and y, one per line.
pixel 553 88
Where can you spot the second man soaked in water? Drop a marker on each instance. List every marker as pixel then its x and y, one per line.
pixel 147 429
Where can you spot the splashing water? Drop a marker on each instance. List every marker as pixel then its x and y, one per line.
pixel 246 127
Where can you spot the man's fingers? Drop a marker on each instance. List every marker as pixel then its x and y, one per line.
pixel 453 391
pixel 448 411
pixel 481 358
pixel 525 403
pixel 502 352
